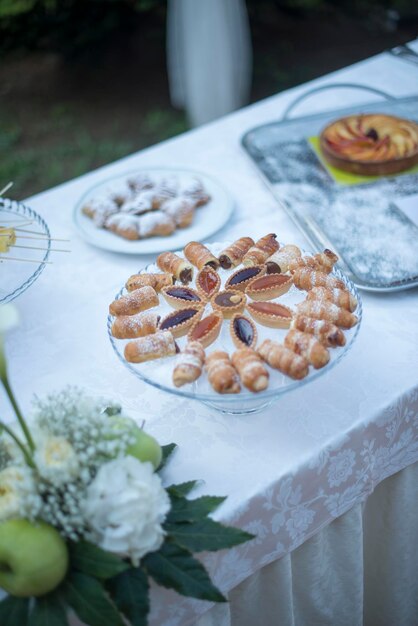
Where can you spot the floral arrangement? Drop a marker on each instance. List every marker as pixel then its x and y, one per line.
pixel 85 519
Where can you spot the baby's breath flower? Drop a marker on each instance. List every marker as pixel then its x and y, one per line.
pixel 56 460
pixel 18 493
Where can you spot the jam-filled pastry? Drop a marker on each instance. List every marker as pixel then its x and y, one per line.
pixel 100 209
pixel 222 375
pixel 208 282
pixel 323 261
pixel 306 345
pixel 261 250
pixel 180 209
pixel 200 256
pixel 180 322
pixel 124 225
pixel 156 281
pixel 189 364
pixel 281 358
pixel 326 332
pixel 251 369
pixel 243 332
pixel 131 326
pixel 326 310
pixel 206 330
pixel 306 278
pixel 139 300
pixel 156 346
pixel 173 264
pixel 340 297
pixel 233 254
pixel 278 263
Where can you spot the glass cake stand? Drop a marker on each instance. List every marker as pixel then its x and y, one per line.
pixel 17 276
pixel 158 373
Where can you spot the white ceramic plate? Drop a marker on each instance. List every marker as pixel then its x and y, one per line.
pixel 207 221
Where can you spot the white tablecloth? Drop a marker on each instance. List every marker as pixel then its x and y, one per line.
pixel 289 470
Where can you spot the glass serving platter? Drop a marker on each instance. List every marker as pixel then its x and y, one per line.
pixel 158 373
pixel 17 276
pixel 364 222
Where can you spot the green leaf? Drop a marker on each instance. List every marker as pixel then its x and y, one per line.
pixel 167 452
pixel 90 601
pixel 14 611
pixel 49 610
pixel 183 510
pixel 89 559
pixel 130 592
pixel 182 489
pixel 174 567
pixel 206 534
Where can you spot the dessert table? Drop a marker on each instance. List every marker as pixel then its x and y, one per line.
pixel 328 451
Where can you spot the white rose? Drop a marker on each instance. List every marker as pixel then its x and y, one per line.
pixel 56 460
pixel 125 507
pixel 18 496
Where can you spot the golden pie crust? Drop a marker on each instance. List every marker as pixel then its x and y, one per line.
pixel 371 144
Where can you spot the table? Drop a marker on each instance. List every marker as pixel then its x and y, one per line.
pixel 290 470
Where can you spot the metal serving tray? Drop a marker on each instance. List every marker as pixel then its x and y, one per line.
pixel 377 242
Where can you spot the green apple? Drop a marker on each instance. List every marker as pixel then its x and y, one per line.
pixel 33 558
pixel 144 448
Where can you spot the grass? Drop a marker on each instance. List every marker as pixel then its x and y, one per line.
pixel 56 146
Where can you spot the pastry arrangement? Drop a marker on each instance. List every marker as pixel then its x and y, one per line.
pixel 146 206
pixel 222 314
pixel 371 144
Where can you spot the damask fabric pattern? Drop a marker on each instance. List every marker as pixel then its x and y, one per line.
pixel 287 471
pixel 360 570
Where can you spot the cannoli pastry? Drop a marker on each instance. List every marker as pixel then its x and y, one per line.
pixel 131 326
pixel 181 269
pixel 323 261
pixel 140 181
pixel 200 256
pixel 251 369
pixel 306 278
pixel 221 373
pixel 281 358
pixel 124 225
pixel 279 261
pixel 156 346
pixel 189 364
pixel 306 345
pixel 100 209
pixel 155 224
pixel 233 254
pixel 156 281
pixel 326 332
pixel 181 210
pixel 340 297
pixel 326 310
pixel 139 300
pixel 261 250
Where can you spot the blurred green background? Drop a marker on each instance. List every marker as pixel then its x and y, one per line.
pixel 84 82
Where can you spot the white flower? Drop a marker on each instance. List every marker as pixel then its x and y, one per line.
pixel 56 460
pixel 341 467
pixel 18 495
pixel 125 507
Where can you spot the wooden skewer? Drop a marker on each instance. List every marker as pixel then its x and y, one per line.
pixel 36 238
pixel 36 248
pixel 8 223
pixel 12 258
pixel 6 188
